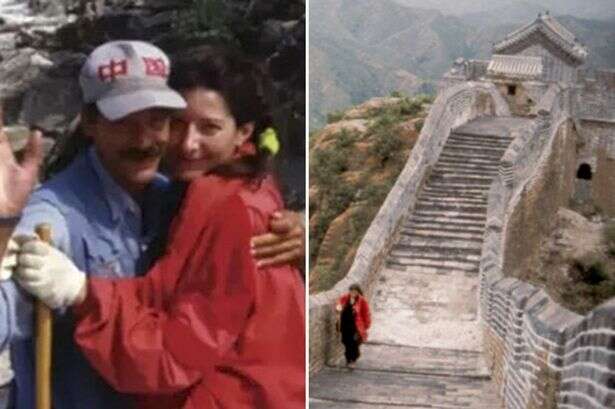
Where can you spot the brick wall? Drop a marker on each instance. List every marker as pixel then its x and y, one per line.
pixel 595 99
pixel 544 356
pixel 598 150
pixel 533 214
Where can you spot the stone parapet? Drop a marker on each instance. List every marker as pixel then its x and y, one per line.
pixel 543 356
pixel 527 146
pixel 453 107
pixel 540 354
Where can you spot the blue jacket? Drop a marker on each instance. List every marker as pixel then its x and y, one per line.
pixel 107 234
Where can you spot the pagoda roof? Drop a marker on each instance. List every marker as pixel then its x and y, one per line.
pixel 515 66
pixel 553 30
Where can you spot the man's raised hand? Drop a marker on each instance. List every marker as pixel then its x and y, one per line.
pixel 17 180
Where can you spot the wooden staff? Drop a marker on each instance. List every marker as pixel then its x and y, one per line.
pixel 43 339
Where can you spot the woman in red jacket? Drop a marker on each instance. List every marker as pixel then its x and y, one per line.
pixel 353 321
pixel 206 328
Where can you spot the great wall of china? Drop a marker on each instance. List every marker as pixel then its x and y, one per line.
pixel 496 158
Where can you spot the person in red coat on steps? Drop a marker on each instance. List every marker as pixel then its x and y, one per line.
pixel 206 328
pixel 354 319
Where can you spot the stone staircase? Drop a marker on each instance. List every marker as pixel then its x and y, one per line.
pixel 425 348
pixel 444 233
pixel 405 377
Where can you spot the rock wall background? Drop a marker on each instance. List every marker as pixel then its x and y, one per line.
pixel 43 44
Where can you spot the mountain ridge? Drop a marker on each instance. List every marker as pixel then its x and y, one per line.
pixel 360 49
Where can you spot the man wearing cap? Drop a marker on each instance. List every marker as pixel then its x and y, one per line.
pixel 96 207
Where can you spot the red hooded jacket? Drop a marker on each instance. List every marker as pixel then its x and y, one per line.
pixel 362 315
pixel 204 328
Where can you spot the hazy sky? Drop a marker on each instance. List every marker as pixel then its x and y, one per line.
pixel 579 8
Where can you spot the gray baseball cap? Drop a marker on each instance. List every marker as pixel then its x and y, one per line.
pixel 123 77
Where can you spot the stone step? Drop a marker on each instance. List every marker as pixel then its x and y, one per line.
pixel 436 182
pixel 487 137
pixel 471 178
pixel 497 143
pixel 470 173
pixel 443 242
pixel 478 198
pixel 471 141
pixel 482 137
pixel 475 128
pixel 493 125
pixel 465 165
pixel 461 164
pixel 446 157
pixel 448 215
pixel 441 230
pixel 403 254
pixel 429 197
pixel 457 202
pixel 460 161
pixel 419 231
pixel 488 170
pixel 439 267
pixel 443 223
pixel 458 189
pixel 454 193
pixel 460 145
pixel 442 226
pixel 477 140
pixel 470 157
pixel 435 193
pixel 450 207
pixel 437 246
pixel 469 187
pixel 471 153
pixel 472 169
pixel 451 171
pixel 336 388
pixel 467 262
pixel 478 193
pixel 449 198
pixel 408 359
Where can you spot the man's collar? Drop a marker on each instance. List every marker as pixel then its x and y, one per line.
pixel 117 198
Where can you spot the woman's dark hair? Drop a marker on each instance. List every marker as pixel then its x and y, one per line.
pixel 356 288
pixel 242 83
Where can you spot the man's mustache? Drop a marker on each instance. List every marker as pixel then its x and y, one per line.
pixel 152 152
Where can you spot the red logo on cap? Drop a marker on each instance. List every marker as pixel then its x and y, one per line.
pixel 112 70
pixel 156 67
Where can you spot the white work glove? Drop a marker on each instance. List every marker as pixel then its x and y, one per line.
pixel 9 259
pixel 48 274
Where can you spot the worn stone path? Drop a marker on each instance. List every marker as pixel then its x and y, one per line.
pixel 425 348
pixel 405 377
